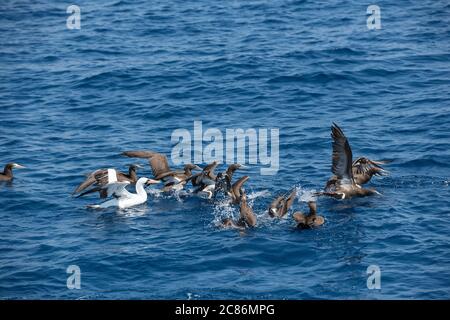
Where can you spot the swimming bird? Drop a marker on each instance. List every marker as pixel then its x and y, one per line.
pixel 344 186
pixel 247 217
pixel 7 174
pixel 280 206
pixel 223 179
pixel 237 191
pixel 99 179
pixel 122 198
pixel 312 220
pixel 205 181
pixel 173 180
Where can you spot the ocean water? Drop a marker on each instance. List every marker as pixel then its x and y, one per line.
pixel 72 100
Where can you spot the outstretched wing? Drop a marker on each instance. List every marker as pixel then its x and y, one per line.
pixel 118 189
pixel 289 201
pixel 90 180
pixel 236 187
pixel 342 156
pixel 158 162
pixel 364 165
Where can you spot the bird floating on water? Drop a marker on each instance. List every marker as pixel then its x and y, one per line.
pixel 7 174
pixel 173 180
pixel 280 206
pixel 204 182
pixel 344 185
pixel 312 220
pixel 99 179
pixel 223 181
pixel 121 197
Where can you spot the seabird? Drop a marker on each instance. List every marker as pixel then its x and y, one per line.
pixel 99 179
pixel 173 180
pixel 280 206
pixel 122 198
pixel 237 192
pixel 205 181
pixel 223 179
pixel 7 174
pixel 308 221
pixel 363 170
pixel 247 217
pixel 344 186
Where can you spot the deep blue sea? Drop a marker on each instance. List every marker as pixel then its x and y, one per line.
pixel 72 100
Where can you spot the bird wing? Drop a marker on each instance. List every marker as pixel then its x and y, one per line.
pixel 364 165
pixel 140 154
pixel 118 189
pixel 159 164
pixel 289 201
pixel 169 173
pixel 90 180
pixel 276 203
pixel 236 187
pixel 342 156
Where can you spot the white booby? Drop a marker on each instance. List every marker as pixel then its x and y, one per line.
pixel 122 198
pixel 99 179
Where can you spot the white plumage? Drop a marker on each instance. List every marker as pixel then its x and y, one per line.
pixel 121 197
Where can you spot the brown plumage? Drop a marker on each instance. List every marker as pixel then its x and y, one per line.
pixel 247 216
pixel 7 174
pixel 237 191
pixel 223 181
pixel 309 221
pixel 99 179
pixel 344 185
pixel 204 181
pixel 173 180
pixel 363 170
pixel 280 206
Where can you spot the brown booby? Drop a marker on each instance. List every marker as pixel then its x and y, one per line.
pixel 247 217
pixel 344 186
pixel 7 174
pixel 236 191
pixel 173 180
pixel 280 206
pixel 205 181
pixel 99 179
pixel 363 170
pixel 309 221
pixel 223 180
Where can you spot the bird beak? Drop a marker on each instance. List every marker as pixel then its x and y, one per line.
pixel 139 166
pixel 18 166
pixel 243 167
pixel 151 181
